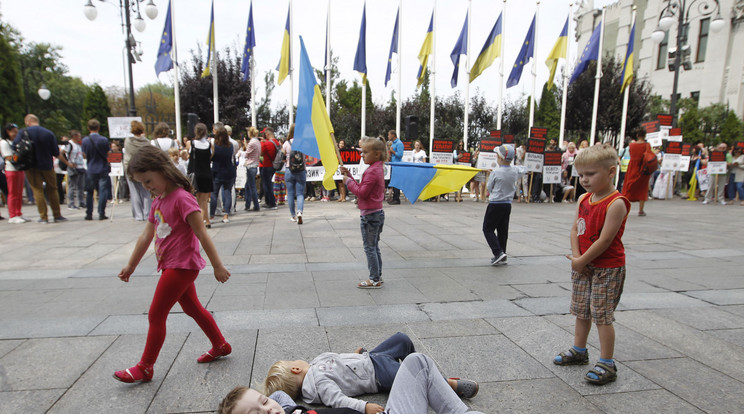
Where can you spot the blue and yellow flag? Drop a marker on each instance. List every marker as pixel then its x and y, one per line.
pixel 558 52
pixel 628 68
pixel 591 52
pixel 313 127
pixel 250 43
pixel 491 50
pixel 360 59
pixel 525 54
pixel 164 62
pixel 420 181
pixel 425 51
pixel 283 66
pixel 461 48
pixel 393 49
pixel 210 44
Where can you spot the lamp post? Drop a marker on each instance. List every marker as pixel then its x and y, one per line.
pixel 43 92
pixel 129 43
pixel 679 10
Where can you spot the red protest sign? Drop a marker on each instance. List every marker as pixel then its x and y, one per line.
pixel 538 132
pixel 464 157
pixel 350 156
pixel 717 156
pixel 664 120
pixel 442 145
pixel 508 139
pixel 552 158
pixel 496 133
pixel 536 145
pixel 739 144
pixel 675 131
pixel 407 145
pixel 652 126
pixel 686 148
pixel 489 144
pixel 673 147
pixel 114 157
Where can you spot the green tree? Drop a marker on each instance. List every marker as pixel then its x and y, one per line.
pixel 12 103
pixel 732 129
pixel 689 122
pixel 656 106
pixel 548 112
pixel 96 106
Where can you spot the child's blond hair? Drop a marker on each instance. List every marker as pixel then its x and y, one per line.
pixel 602 154
pixel 281 378
pixel 375 144
pixel 173 151
pixel 231 400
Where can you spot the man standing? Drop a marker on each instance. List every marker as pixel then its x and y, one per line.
pixel 96 148
pixel 73 156
pixel 269 147
pixel 396 155
pixel 45 147
pixel 717 182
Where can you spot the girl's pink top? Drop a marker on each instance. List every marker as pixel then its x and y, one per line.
pixel 176 245
pixel 370 191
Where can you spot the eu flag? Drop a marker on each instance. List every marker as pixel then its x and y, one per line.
pixel 360 59
pixel 527 52
pixel 164 62
pixel 393 49
pixel 461 48
pixel 250 43
pixel 591 52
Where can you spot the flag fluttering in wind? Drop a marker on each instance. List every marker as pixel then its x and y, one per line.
pixel 313 127
pixel 558 52
pixel 491 50
pixel 283 66
pixel 461 48
pixel 393 49
pixel 425 51
pixel 210 44
pixel 420 181
pixel 250 43
pixel 164 62
pixel 525 54
pixel 693 183
pixel 360 59
pixel 628 67
pixel 591 52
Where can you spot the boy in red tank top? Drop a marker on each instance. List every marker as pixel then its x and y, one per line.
pixel 597 261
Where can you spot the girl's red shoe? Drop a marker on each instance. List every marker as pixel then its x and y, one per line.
pixel 214 353
pixel 138 373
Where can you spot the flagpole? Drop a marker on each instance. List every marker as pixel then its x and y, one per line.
pixel 501 69
pixel 562 133
pixel 328 60
pixel 534 66
pixel 215 88
pixel 597 77
pixel 400 70
pixel 364 77
pixel 291 78
pixel 253 92
pixel 176 91
pixel 467 84
pixel 621 138
pixel 432 77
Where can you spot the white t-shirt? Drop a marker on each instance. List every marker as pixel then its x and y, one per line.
pixel 7 151
pixel 165 143
pixel 419 156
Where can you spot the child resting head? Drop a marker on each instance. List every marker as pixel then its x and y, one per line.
pixel 247 400
pixel 286 376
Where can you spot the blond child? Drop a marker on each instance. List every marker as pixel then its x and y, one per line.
pixel 597 261
pixel 175 156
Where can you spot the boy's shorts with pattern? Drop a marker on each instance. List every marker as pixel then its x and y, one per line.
pixel 596 293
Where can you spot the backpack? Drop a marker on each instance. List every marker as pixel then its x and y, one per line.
pixel 24 156
pixel 649 163
pixel 278 158
pixel 296 161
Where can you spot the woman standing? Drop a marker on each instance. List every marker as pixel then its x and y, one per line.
pixel 138 195
pixel 252 154
pixel 635 186
pixel 14 177
pixel 419 155
pixel 280 188
pixel 223 173
pixel 199 165
pixel 161 139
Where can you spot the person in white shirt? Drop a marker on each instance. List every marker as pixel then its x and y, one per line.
pixel 161 138
pixel 419 155
pixel 73 156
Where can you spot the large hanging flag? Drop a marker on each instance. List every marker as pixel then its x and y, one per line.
pixel 461 48
pixel 360 59
pixel 283 66
pixel 420 181
pixel 210 44
pixel 393 49
pixel 313 127
pixel 558 52
pixel 526 53
pixel 425 51
pixel 491 50
pixel 591 52
pixel 628 68
pixel 250 43
pixel 164 62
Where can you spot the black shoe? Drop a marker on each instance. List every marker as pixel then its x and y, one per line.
pixel 103 218
pixel 89 218
pixel 394 202
pixel 59 219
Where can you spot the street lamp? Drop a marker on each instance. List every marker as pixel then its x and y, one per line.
pixel 44 92
pixel 679 11
pixel 129 43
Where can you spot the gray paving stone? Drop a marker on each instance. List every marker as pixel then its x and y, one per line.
pixel 549 395
pixel 654 401
pixel 735 309
pixel 370 315
pixel 657 301
pixel 442 329
pixel 47 328
pixel 546 306
pixel 29 402
pixel 472 310
pixel 705 318
pixel 632 346
pixel 9 345
pixel 734 336
pixel 137 324
pixel 270 318
pixel 720 297
pixel 543 290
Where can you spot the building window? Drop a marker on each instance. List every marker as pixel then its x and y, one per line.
pixel 695 96
pixel 662 58
pixel 702 45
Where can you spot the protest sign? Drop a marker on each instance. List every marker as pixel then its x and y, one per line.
pixel 672 155
pixel 717 162
pixel 653 134
pixel 552 167
pixel 407 151
pixel 675 135
pixel 441 152
pixel 121 126
pixel 533 159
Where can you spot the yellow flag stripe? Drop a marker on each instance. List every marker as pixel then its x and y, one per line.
pixel 486 58
pixel 284 62
pixel 323 130
pixel 448 178
pixel 423 56
pixel 558 52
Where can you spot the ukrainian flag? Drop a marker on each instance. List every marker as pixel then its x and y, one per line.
pixel 421 181
pixel 313 127
pixel 628 68
pixel 425 51
pixel 360 59
pixel 283 66
pixel 491 50
pixel 558 52
pixel 210 44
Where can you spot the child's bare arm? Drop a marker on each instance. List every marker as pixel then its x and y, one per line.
pixel 575 251
pixel 197 225
pixel 143 242
pixel 613 220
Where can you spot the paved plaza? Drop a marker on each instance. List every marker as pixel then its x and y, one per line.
pixel 67 322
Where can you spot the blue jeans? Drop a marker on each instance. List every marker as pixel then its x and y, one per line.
pixel 103 183
pixel 226 187
pixel 296 189
pixel 386 359
pixel 251 194
pixel 371 226
pixel 740 189
pixel 268 186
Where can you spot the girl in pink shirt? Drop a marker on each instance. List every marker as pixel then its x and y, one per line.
pixel 370 192
pixel 176 224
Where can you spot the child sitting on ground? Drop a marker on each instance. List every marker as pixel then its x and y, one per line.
pixel 597 261
pixel 331 379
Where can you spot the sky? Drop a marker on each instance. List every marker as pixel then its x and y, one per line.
pixel 93 50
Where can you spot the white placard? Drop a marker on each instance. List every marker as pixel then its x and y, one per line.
pixel 356 170
pixel 670 162
pixel 533 162
pixel 574 172
pixel 664 132
pixel 487 161
pixel 684 163
pixel 716 167
pixel 654 139
pixel 675 138
pixel 121 126
pixel 117 169
pixel 441 158
pixel 407 156
pixel 552 174
pixel 702 179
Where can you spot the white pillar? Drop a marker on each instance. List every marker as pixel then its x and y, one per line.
pixel 597 77
pixel 175 82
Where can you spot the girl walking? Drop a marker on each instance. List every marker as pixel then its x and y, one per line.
pixel 175 221
pixel 370 192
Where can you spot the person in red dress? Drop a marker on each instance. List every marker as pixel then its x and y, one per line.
pixel 635 186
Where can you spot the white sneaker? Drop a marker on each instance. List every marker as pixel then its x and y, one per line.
pixel 705 201
pixel 723 203
pixel 16 220
pixel 293 218
pixel 299 217
pixel 25 220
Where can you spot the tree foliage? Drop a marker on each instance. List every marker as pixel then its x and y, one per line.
pixel 11 104
pixel 96 106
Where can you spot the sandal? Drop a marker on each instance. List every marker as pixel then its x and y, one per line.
pixel 369 284
pixel 215 353
pixel 138 373
pixel 466 388
pixel 605 373
pixel 572 357
pixel 642 213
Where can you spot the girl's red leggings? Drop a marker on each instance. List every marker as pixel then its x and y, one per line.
pixel 176 285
